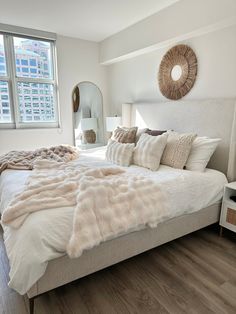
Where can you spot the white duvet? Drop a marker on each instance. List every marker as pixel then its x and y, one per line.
pixel 45 234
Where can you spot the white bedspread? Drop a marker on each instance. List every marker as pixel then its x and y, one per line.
pixel 45 234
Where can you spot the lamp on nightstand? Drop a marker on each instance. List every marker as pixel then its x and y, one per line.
pixel 112 123
pixel 88 125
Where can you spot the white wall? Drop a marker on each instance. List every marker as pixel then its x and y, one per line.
pixel 136 79
pixel 180 21
pixel 78 60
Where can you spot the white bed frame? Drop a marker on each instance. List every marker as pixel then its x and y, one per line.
pixel 213 118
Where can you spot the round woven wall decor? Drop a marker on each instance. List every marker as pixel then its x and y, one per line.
pixel 183 57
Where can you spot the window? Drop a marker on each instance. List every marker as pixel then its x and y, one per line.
pixel 33 62
pixel 24 62
pixel 25 70
pixel 2 69
pixel 27 74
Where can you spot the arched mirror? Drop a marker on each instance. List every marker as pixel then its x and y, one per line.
pixel 87 104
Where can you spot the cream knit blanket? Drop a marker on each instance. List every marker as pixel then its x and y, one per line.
pixel 108 201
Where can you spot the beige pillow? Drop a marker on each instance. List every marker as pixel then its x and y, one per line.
pixel 149 150
pixel 124 135
pixel 177 149
pixel 119 153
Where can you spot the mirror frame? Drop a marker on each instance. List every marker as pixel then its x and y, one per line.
pixel 75 99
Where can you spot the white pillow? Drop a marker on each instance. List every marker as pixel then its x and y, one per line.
pixel 201 152
pixel 149 150
pixel 177 149
pixel 119 153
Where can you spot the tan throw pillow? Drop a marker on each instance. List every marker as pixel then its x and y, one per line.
pixel 149 150
pixel 119 153
pixel 124 135
pixel 177 149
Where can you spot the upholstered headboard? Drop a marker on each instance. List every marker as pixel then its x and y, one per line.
pixel 213 118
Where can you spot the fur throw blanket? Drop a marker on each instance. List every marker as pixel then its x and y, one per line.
pixel 26 159
pixel 108 201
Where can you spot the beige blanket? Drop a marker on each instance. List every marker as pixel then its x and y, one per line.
pixel 26 159
pixel 108 201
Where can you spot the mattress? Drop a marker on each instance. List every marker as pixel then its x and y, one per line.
pixel 45 234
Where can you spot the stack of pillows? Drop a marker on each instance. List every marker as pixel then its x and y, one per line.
pixel 150 148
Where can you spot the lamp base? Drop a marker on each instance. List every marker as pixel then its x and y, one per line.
pixel 90 136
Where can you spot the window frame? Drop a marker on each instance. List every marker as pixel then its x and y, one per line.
pixel 12 79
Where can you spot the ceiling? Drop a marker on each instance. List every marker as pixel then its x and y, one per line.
pixel 86 19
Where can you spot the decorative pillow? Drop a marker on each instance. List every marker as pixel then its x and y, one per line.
pixel 148 131
pixel 124 135
pixel 201 152
pixel 120 154
pixel 177 149
pixel 154 132
pixel 149 150
pixel 139 133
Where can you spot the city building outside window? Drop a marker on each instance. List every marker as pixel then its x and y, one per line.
pixel 28 86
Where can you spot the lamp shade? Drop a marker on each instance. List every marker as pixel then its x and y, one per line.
pixel 112 123
pixel 88 124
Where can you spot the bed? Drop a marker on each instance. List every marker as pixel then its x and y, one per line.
pixel 195 203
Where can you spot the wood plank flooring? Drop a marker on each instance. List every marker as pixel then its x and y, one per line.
pixel 194 274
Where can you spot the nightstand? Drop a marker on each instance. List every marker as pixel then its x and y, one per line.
pixel 228 209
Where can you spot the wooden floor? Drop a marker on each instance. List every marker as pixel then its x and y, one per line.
pixel 194 274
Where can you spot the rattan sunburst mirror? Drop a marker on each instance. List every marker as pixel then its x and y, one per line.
pixel 177 72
